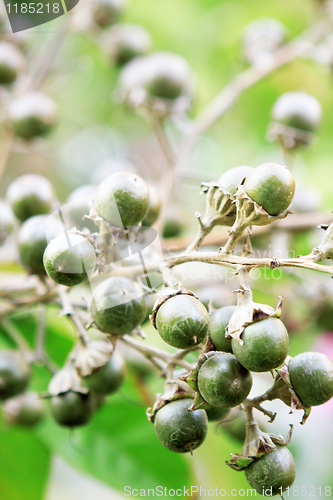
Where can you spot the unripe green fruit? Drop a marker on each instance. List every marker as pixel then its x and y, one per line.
pixel 109 378
pixel 11 62
pixel 26 410
pixel 261 38
pixel 265 346
pixel 311 375
pixel 299 110
pixel 216 414
pixel 118 305
pixel 29 195
pixel 33 238
pixel 182 321
pixel 72 409
pixel 219 321
pixel 179 429
pixel 272 186
pixel 69 259
pixel 15 374
pixel 78 206
pixel 155 206
pixel 106 12
pixel 233 177
pixel 7 221
pixel 223 382
pixel 274 472
pixel 122 199
pixel 123 42
pixel 32 115
pixel 173 227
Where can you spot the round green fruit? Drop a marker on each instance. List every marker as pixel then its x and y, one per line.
pixel 265 345
pixel 219 321
pixel 32 115
pixel 69 259
pixel 11 63
pixel 118 305
pixel 273 473
pixel 72 409
pixel 299 110
pixel 182 321
pixel 107 12
pixel 122 199
pixel 77 207
pixel 15 374
pixel 29 195
pixel 109 378
pixel 311 376
pixel 123 42
pixel 223 382
pixel 272 186
pixel 261 38
pixel 155 206
pixel 179 429
pixel 33 238
pixel 233 177
pixel 7 221
pixel 25 410
pixel 217 414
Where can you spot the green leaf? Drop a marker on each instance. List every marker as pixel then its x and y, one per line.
pixel 24 465
pixel 120 448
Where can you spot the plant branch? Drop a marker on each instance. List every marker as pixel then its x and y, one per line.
pixel 68 310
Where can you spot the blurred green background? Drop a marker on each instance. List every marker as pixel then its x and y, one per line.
pixel 119 447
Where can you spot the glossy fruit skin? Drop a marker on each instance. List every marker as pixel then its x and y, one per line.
pixel 299 110
pixel 179 429
pixel 122 199
pixel 219 321
pixel 78 205
pixel 33 238
pixel 217 414
pixel 272 186
pixel 274 470
pixel 25 410
pixel 182 321
pixel 113 316
pixel 311 375
pixel 69 266
pixel 11 63
pixel 265 347
pixel 15 374
pixel 72 409
pixel 32 115
pixel 123 42
pixel 223 382
pixel 30 195
pixel 155 206
pixel 233 177
pixel 109 378
pixel 107 12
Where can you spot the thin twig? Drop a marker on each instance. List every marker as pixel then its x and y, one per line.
pixel 16 335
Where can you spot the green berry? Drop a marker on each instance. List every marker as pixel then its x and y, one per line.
pixel 123 42
pixel 233 177
pixel 69 259
pixel 155 206
pixel 11 63
pixel 179 429
pixel 107 12
pixel 72 409
pixel 218 323
pixel 217 414
pixel 77 206
pixel 274 472
pixel 299 110
pixel 272 186
pixel 7 221
pixel 265 345
pixel 25 410
pixel 311 375
pixel 182 321
pixel 118 305
pixel 109 378
pixel 29 195
pixel 32 115
pixel 15 374
pixel 33 238
pixel 122 199
pixel 223 382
